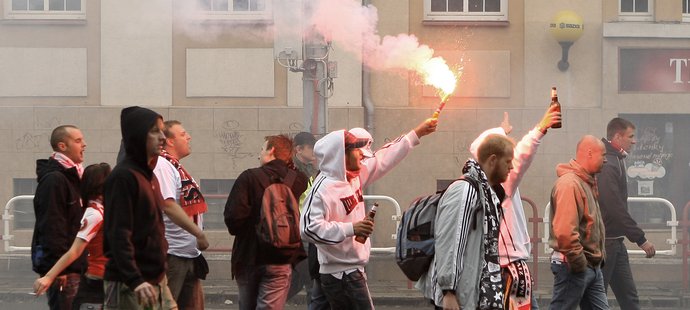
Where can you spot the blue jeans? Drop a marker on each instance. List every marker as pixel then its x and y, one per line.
pixel 318 300
pixel 264 286
pixel 585 289
pixel 618 275
pixel 350 292
pixel 61 296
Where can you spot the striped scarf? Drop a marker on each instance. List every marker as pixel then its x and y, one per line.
pixel 68 163
pixel 490 284
pixel 191 199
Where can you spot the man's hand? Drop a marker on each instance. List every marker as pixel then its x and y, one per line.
pixel 649 249
pixel 505 124
pixel 450 302
pixel 146 294
pixel 363 228
pixel 42 284
pixel 550 118
pixel 426 127
pixel 202 242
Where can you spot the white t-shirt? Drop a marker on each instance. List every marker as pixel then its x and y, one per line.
pixel 180 242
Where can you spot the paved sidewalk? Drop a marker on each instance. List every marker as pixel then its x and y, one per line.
pixel 16 281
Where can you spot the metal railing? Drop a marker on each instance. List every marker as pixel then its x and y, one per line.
pixel 396 218
pixel 7 217
pixel 673 224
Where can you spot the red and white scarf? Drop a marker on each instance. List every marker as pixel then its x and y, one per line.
pixel 191 199
pixel 67 163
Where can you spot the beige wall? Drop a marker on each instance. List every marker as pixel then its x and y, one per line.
pixel 514 68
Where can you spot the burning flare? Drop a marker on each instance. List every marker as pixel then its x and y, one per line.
pixel 437 73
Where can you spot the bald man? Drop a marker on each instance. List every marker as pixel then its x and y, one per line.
pixel 577 230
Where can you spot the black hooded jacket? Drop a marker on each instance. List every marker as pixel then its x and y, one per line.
pixel 242 213
pixel 57 206
pixel 613 198
pixel 133 225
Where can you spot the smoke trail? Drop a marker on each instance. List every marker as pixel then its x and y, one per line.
pixel 345 22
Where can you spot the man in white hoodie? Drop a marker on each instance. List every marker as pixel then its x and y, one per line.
pixel 514 242
pixel 334 212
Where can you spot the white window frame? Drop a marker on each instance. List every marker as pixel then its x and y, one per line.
pixel 46 14
pixel 465 15
pixel 637 16
pixel 241 15
pixel 686 15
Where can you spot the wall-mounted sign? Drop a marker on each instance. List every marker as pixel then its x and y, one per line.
pixel 654 70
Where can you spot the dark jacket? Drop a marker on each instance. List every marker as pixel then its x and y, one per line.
pixel 132 222
pixel 242 214
pixel 57 206
pixel 613 198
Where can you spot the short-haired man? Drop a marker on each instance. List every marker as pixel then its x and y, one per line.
pixel 465 272
pixel 514 244
pixel 304 161
pixel 577 230
pixel 262 273
pixel 184 204
pixel 613 201
pixel 134 235
pixel 57 206
pixel 334 212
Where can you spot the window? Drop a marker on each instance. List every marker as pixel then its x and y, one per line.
pixel 636 10
pixel 45 9
pixel 24 217
pixel 466 10
pixel 686 11
pixel 237 9
pixel 216 193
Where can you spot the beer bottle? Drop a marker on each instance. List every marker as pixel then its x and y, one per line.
pixel 370 216
pixel 554 101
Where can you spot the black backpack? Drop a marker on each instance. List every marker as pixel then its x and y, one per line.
pixel 414 247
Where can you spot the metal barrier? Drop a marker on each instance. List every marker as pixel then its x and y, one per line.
pixel 535 220
pixel 397 217
pixel 685 226
pixel 673 223
pixel 7 217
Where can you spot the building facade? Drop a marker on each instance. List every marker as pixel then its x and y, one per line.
pixel 216 66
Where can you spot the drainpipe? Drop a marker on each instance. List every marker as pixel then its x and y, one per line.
pixel 367 102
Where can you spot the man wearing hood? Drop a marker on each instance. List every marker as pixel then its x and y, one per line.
pixel 57 206
pixel 132 222
pixel 262 272
pixel 577 230
pixel 465 272
pixel 334 211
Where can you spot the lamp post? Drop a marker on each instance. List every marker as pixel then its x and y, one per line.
pixel 566 27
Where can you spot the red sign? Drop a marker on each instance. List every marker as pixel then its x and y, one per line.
pixel 654 70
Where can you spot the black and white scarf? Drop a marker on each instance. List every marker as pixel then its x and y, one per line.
pixel 490 284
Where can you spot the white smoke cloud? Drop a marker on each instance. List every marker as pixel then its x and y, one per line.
pixel 345 22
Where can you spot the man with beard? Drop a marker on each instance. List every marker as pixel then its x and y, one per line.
pixel 465 272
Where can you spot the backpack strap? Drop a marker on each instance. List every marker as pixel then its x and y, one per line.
pixel 475 184
pixel 265 177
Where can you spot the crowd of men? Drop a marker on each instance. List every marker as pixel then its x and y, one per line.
pixel 143 229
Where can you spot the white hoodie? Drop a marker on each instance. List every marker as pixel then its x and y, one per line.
pixel 334 204
pixel 514 241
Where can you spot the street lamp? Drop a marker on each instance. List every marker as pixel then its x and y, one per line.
pixel 566 27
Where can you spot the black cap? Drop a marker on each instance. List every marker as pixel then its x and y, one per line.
pixel 352 142
pixel 304 138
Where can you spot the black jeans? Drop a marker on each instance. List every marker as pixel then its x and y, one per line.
pixel 618 275
pixel 350 292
